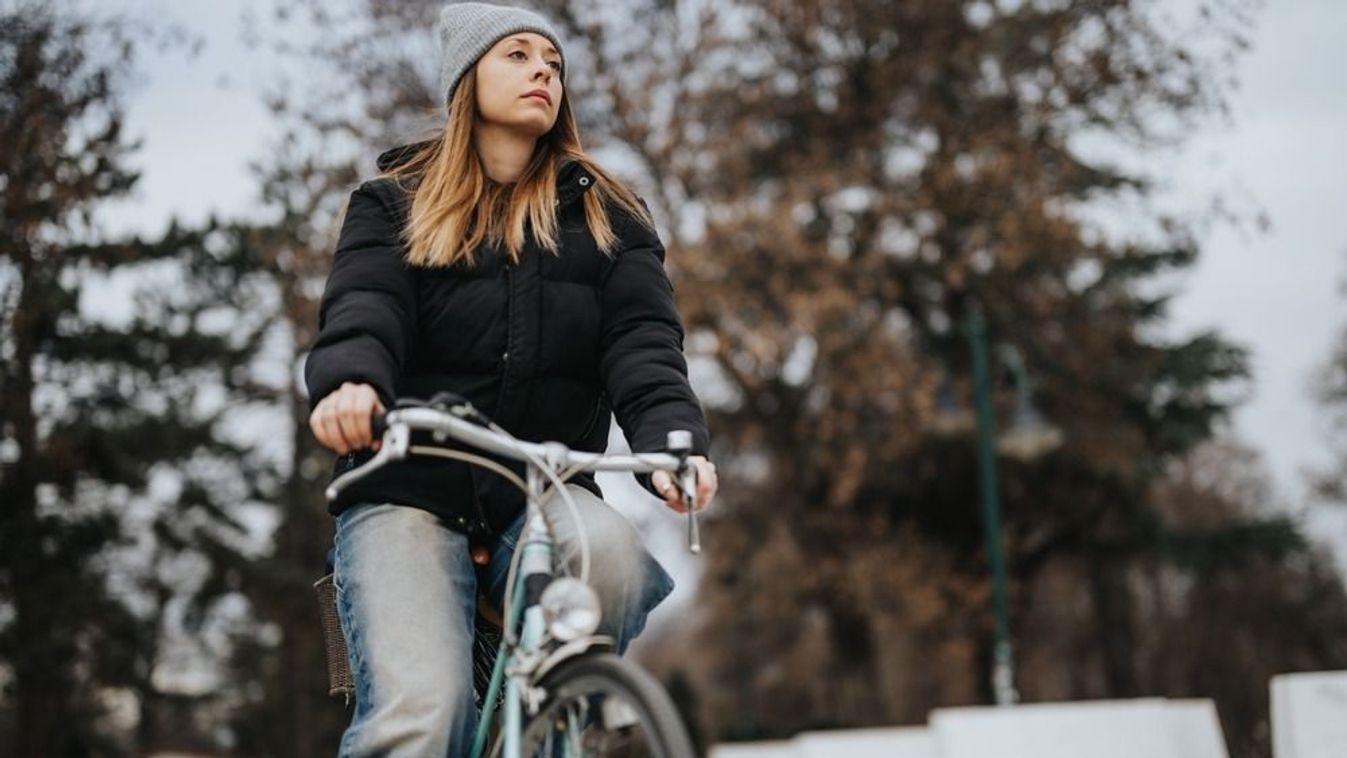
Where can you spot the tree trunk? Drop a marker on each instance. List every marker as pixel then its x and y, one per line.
pixel 1117 637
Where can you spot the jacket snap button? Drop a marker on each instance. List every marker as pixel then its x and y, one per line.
pixel 584 181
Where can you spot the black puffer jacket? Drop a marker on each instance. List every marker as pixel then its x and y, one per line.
pixel 547 348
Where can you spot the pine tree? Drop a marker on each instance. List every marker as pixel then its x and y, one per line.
pixel 288 711
pixel 121 489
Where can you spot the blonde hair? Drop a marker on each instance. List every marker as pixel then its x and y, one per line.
pixel 455 206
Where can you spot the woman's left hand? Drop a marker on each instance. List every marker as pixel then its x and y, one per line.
pixel 663 482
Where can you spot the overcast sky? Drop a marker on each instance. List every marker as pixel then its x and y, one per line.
pixel 1278 293
pixel 1284 152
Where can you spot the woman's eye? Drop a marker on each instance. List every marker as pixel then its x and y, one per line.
pixel 556 65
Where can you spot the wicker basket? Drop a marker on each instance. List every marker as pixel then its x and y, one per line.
pixel 486 644
pixel 338 665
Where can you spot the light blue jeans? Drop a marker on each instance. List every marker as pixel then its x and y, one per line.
pixel 406 595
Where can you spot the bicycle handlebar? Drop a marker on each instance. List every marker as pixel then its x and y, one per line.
pixel 446 416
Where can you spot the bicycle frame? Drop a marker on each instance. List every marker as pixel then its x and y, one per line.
pixel 535 568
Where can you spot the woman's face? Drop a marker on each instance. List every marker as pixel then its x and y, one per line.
pixel 519 84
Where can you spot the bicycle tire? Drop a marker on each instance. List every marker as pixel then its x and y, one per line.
pixel 587 678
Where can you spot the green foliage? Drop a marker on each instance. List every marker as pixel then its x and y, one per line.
pixel 1234 546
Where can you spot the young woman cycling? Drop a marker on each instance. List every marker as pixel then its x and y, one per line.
pixel 499 262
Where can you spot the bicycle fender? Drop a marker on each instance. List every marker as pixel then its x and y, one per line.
pixel 580 646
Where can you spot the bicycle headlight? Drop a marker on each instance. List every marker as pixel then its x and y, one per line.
pixel 571 608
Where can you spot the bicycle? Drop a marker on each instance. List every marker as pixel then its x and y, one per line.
pixel 565 692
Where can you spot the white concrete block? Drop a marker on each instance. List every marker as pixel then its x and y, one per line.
pixel 775 749
pixel 891 742
pixel 1197 727
pixel 887 742
pixel 1143 728
pixel 1309 715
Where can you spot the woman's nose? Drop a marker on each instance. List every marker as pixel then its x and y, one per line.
pixel 545 70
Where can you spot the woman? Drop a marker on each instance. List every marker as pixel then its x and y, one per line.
pixel 499 262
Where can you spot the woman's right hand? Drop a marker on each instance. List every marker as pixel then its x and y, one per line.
pixel 342 420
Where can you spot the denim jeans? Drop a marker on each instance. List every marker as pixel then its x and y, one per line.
pixel 406 595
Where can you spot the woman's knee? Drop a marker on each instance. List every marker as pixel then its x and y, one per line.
pixel 617 556
pixel 611 538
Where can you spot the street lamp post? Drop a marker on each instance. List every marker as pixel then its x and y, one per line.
pixel 1003 668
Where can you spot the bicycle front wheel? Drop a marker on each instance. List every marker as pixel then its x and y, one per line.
pixel 602 705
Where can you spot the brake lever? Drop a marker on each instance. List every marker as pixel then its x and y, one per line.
pixel 687 482
pixel 679 443
pixel 395 444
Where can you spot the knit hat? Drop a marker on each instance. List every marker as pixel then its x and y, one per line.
pixel 468 30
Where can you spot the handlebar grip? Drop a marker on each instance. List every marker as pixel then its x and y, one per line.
pixel 378 424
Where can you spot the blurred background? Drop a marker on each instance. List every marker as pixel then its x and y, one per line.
pixel 1019 326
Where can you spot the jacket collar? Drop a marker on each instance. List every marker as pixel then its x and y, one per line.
pixel 573 179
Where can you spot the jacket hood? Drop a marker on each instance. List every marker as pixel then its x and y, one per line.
pixel 396 156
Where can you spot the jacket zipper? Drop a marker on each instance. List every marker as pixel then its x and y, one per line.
pixel 509 330
pixel 505 367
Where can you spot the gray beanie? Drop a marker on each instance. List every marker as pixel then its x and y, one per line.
pixel 468 30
